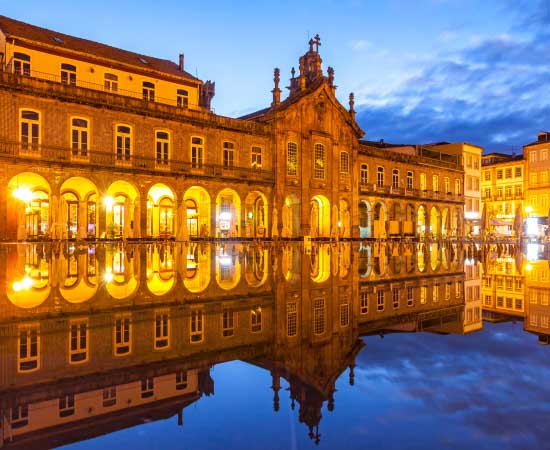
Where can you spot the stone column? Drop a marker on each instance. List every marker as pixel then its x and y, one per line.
pixel 82 230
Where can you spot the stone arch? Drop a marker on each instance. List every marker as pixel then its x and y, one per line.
pixel 365 219
pixel 365 260
pixel 320 216
pixel 435 257
pixel 396 219
pixel 435 222
pixel 161 212
pixel 344 219
pixel 320 263
pixel 78 209
pixel 161 274
pixel 446 229
pixel 196 215
pixel 291 217
pixel 380 220
pixel 409 220
pixel 256 215
pixel 121 210
pixel 422 258
pixel 256 266
pixel 228 213
pixel 196 276
pixel 120 277
pixel 421 221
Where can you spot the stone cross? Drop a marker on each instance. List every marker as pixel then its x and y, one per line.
pixel 317 42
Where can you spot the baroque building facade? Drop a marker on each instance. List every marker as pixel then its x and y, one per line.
pixel 98 142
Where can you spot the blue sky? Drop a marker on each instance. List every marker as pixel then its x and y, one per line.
pixel 422 71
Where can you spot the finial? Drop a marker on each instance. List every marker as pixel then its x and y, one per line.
pixel 317 42
pixel 276 77
pixel 311 45
pixel 330 72
pixel 293 72
pixel 352 104
pixel 276 91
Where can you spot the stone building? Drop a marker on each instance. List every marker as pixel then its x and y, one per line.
pixel 98 142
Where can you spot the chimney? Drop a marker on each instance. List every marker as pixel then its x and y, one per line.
pixel 182 59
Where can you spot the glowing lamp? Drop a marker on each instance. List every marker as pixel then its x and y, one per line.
pixel 250 215
pixel 529 209
pixel 225 216
pixel 23 194
pixel 109 201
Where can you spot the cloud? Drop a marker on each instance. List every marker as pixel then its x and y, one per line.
pixel 360 45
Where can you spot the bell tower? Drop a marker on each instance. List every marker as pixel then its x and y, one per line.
pixel 310 69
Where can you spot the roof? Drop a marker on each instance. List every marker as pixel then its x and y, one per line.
pixel 15 29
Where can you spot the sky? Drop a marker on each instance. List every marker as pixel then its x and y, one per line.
pixel 422 71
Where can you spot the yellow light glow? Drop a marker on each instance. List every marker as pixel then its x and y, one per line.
pixel 17 286
pixel 23 194
pixel 529 209
pixel 528 267
pixel 108 276
pixel 109 201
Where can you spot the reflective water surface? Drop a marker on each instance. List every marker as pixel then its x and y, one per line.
pixel 336 345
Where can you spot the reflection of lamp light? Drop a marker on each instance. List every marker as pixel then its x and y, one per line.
pixel 109 201
pixel 225 216
pixel 250 214
pixel 23 194
pixel 108 277
pixel 339 224
pixel 287 202
pixel 529 267
pixel 224 261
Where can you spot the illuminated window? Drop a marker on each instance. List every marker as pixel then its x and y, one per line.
pixel 79 341
pixel 487 175
pixel 109 397
pixel 364 302
pixel 30 130
pixel 499 174
pixel 380 176
pixel 148 90
pixel 423 294
pixel 508 173
pixel 256 319
pixel 256 155
pixel 162 331
pixel 21 63
pixel 423 185
pixel 458 289
pixel 395 178
pixel 66 405
pixel 395 298
pixel 29 348
pixel 291 319
pixel 533 156
pixel 458 190
pixel 196 325
pixel 447 185
pixel 435 293
pixel 123 141
pixel 435 183
pixel 228 155
pixel 110 82
pixel 319 159
pixel 410 296
pixel 344 163
pixel 182 98
pixel 181 380
pixel 19 416
pixel 197 151
pixel 68 74
pixel 147 387
pixel 447 291
pixel 123 331
pixel 162 143
pixel 410 180
pixel 79 137
pixel 364 174
pixel 292 159
pixel 228 322
pixel 319 315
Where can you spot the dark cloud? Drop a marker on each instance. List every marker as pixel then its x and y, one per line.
pixel 495 93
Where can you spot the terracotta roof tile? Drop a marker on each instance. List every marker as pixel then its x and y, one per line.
pixel 16 29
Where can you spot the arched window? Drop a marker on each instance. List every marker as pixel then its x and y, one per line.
pixel 123 141
pixel 319 162
pixel 292 159
pixel 395 178
pixel 30 130
pixel 162 143
pixel 197 152
pixel 380 176
pixel 79 137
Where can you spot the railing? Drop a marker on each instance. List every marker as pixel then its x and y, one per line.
pixel 110 160
pixel 373 188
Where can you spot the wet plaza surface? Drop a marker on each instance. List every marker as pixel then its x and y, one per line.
pixel 262 345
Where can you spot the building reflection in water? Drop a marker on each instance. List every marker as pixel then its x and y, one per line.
pixel 100 338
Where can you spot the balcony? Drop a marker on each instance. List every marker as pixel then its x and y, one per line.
pixel 95 159
pixel 374 189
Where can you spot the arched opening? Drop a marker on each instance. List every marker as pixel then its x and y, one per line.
pixel 344 219
pixel 255 210
pixel 228 267
pixel 395 220
pixel 291 263
pixel 421 221
pixel 408 223
pixel 256 264
pixel 456 226
pixel 120 277
pixel 228 213
pixel 120 204
pixel 77 275
pixel 380 220
pixel 445 223
pixel 160 211
pixel 435 257
pixel 27 276
pixel 197 268
pixel 365 260
pixel 365 219
pixel 435 222
pixel 320 263
pixel 28 207
pixel 380 259
pixel 78 208
pixel 291 217
pixel 421 257
pixel 396 259
pixel 197 211
pixel 160 269
pixel 320 216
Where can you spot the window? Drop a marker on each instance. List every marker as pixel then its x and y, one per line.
pixel 423 184
pixel 518 171
pixel 508 173
pixel 148 90
pixel 68 74
pixel 487 175
pixel 380 176
pixel 19 416
pixel 228 154
pixel 458 190
pixel 228 322
pixel 123 344
pixel 291 319
pixel 544 155
pixel 256 154
pixel 364 302
pixel 380 300
pixel 476 163
pixel 319 315
pixel 410 296
pixel 196 325
pixel 162 330
pixel 21 63
pixel 518 304
pixel 458 289
pixel 364 174
pixel 182 98
pixel 292 159
pixel 78 341
pixel 499 174
pixel 109 397
pixel 319 159
pixel 110 82
pixel 423 294
pixel 410 180
pixel 487 192
pixel 344 163
pixel 79 137
pixel 395 298
pixel 395 179
pixel 162 141
pixel 29 349
pixel 435 293
pixel 181 380
pixel 435 183
pixel 533 156
pixel 256 319
pixel 197 151
pixel 123 140
pixel 30 130
pixel 344 311
pixel 447 185
pixel 66 405
pixel 147 387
